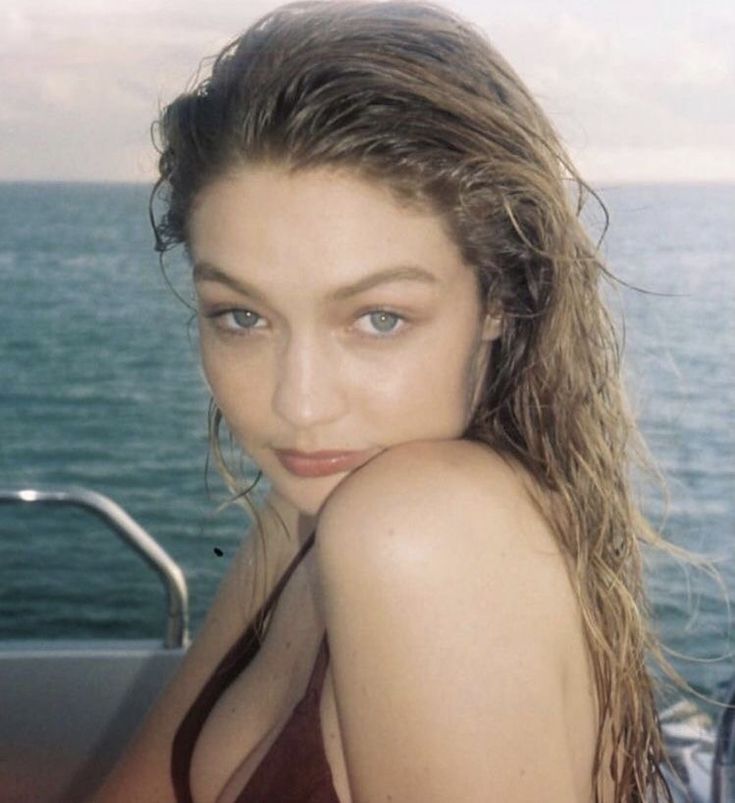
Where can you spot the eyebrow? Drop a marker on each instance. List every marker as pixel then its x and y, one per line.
pixel 206 272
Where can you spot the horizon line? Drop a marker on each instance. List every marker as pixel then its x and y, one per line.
pixel 726 181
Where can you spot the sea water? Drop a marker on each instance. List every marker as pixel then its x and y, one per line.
pixel 100 387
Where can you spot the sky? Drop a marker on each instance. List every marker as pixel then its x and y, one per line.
pixel 639 90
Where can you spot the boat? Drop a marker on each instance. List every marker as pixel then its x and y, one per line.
pixel 69 707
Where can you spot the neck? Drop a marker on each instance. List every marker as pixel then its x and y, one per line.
pixel 298 525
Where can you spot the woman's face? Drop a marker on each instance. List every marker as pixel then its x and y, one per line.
pixel 332 319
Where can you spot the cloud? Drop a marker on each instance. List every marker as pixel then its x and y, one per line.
pixel 650 164
pixel 82 80
pixel 82 85
pixel 15 25
pixel 644 94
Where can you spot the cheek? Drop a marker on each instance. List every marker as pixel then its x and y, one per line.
pixel 239 396
pixel 428 395
pixel 214 370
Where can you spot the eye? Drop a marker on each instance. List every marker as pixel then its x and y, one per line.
pixel 381 322
pixel 243 318
pixel 235 320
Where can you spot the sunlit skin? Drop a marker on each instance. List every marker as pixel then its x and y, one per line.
pixel 331 317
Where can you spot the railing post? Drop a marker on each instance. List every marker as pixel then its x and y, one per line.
pixel 174 582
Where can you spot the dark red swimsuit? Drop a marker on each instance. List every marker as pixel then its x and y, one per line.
pixel 295 769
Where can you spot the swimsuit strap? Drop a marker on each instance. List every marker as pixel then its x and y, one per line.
pixel 237 658
pixel 281 584
pixel 233 659
pixel 318 673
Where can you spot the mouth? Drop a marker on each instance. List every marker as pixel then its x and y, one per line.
pixel 321 464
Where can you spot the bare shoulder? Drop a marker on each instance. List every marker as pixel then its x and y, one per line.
pixel 442 582
pixel 431 516
pixel 437 497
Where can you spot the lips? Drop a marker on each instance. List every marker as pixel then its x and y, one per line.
pixel 320 464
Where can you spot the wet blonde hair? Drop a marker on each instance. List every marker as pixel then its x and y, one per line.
pixel 407 94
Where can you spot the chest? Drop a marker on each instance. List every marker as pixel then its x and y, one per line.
pixel 251 714
pixel 287 689
pixel 250 717
pixel 241 731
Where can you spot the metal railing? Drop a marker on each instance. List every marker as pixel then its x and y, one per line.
pixel 174 582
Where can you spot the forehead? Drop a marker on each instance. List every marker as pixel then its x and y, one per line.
pixel 318 225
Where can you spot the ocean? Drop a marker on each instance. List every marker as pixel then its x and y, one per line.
pixel 100 387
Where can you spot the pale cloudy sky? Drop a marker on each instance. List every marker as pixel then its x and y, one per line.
pixel 640 89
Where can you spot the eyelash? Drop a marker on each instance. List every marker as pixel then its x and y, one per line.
pixel 240 331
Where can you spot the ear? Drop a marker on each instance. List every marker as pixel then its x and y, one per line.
pixel 492 327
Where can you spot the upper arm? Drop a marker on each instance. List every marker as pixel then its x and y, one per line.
pixel 447 607
pixel 143 772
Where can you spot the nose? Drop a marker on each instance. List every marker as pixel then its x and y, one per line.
pixel 308 390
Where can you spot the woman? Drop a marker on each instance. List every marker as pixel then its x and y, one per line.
pixel 401 326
